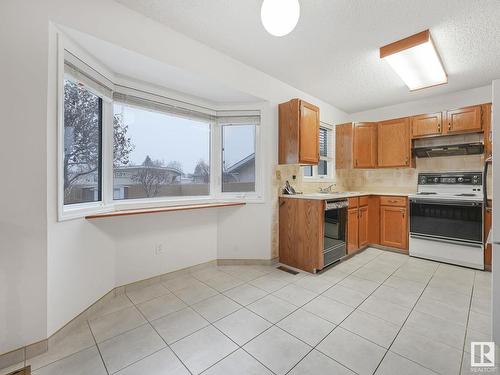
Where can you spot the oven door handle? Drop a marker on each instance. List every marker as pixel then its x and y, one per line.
pixel 447 240
pixel 446 202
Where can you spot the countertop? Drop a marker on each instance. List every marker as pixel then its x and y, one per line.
pixel 342 195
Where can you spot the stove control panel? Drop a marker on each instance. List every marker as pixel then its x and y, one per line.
pixel 459 178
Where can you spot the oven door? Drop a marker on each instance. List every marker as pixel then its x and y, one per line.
pixel 453 220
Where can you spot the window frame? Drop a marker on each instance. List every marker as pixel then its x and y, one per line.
pixel 247 195
pixel 330 158
pixel 107 202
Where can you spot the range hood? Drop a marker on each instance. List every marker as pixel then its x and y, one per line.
pixel 448 145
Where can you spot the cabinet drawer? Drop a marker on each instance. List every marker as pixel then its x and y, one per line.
pixel 393 201
pixel 363 201
pixel 353 202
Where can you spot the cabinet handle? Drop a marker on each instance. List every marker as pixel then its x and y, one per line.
pixel 439 127
pixel 449 126
pixel 403 212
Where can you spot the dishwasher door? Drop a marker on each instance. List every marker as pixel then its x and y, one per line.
pixel 334 240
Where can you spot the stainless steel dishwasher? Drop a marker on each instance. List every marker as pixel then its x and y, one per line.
pixel 335 247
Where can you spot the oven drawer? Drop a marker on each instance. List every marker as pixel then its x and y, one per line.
pixel 393 201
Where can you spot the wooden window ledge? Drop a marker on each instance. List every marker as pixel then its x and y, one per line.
pixel 154 210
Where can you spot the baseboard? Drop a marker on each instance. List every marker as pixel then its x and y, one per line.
pixel 20 355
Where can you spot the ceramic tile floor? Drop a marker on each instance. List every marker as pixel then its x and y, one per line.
pixel 376 313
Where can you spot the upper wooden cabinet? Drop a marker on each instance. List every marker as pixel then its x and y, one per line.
pixel 394 143
pixel 365 145
pixel 298 133
pixel 464 120
pixel 426 125
pixel 343 146
pixel 486 115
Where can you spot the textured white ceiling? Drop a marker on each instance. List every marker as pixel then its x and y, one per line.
pixel 333 52
pixel 141 68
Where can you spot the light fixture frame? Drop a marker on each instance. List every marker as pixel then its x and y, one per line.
pixel 410 42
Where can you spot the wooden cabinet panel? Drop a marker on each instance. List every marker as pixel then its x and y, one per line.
pixel 486 118
pixel 343 146
pixel 365 145
pixel 352 230
pixel 374 219
pixel 426 125
pixel 298 133
pixel 353 202
pixel 363 201
pixel 309 134
pixel 363 226
pixel 464 120
pixel 301 226
pixel 393 201
pixel 394 143
pixel 394 227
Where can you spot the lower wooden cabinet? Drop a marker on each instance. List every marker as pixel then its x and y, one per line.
pixel 357 224
pixel 352 230
pixel 301 229
pixel 363 226
pixel 394 227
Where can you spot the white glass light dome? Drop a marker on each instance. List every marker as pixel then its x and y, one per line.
pixel 280 17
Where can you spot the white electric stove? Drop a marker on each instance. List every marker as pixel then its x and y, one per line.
pixel 446 218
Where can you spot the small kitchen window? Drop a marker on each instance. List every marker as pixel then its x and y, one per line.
pixel 325 168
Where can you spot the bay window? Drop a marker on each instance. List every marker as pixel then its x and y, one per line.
pixel 238 158
pixel 82 157
pixel 121 146
pixel 157 154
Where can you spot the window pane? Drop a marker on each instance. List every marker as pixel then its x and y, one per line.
pixel 323 142
pixel 82 144
pixel 238 158
pixel 323 168
pixel 159 155
pixel 308 170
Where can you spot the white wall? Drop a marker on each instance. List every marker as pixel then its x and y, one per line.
pixel 23 242
pixel 428 105
pixel 51 271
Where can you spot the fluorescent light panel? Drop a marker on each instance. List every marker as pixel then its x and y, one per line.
pixel 416 61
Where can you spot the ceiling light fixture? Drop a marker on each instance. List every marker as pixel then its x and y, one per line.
pixel 280 17
pixel 416 60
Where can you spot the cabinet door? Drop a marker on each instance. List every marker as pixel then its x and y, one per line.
pixel 365 145
pixel 393 227
pixel 343 146
pixel 464 120
pixel 308 134
pixel 394 144
pixel 363 226
pixel 426 125
pixel 352 230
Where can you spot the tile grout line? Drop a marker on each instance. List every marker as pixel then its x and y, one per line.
pixel 467 322
pixel 97 346
pixel 400 329
pixel 167 345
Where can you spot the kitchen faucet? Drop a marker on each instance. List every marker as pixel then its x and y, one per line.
pixel 328 189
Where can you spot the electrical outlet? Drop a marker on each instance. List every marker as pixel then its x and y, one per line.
pixel 159 249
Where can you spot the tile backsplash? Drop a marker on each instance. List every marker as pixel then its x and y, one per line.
pixel 388 180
